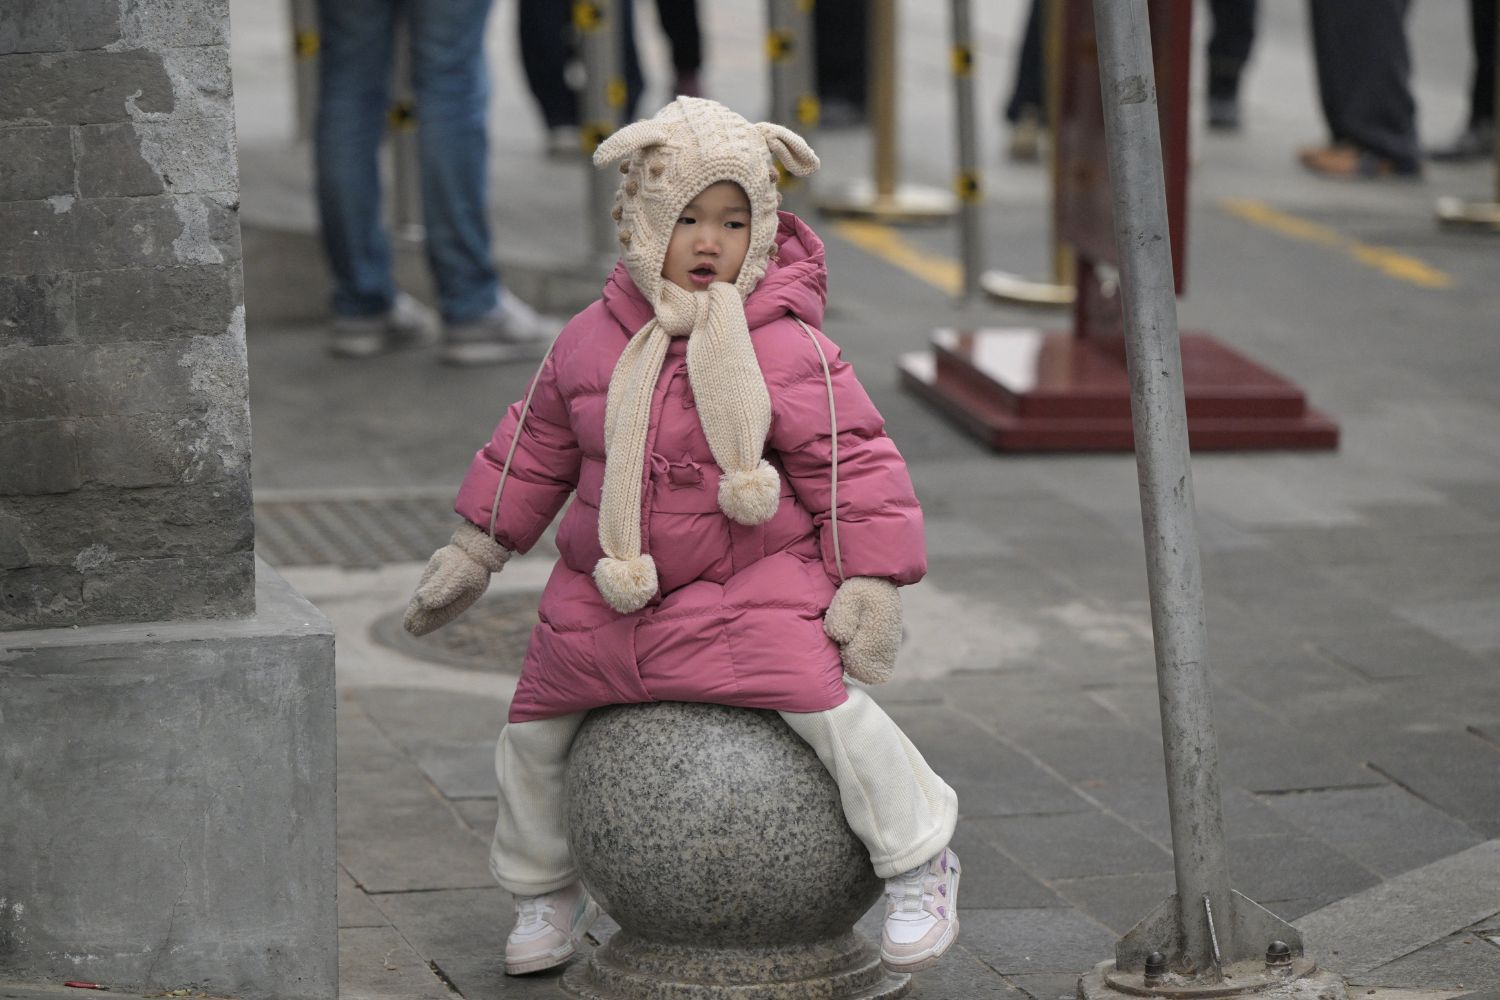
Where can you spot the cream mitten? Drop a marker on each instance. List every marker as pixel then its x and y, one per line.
pixel 456 576
pixel 865 620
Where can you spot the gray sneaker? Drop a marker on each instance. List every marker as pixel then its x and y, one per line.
pixel 408 323
pixel 512 331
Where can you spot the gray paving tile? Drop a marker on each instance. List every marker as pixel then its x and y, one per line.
pixel 1118 902
pixel 990 778
pixel 1274 680
pixel 1454 962
pixel 1385 828
pixel 478 815
pixel 1096 756
pixel 459 770
pixel 395 832
pixel 1396 650
pixel 1410 911
pixel 960 974
pixel 356 908
pixel 376 963
pixel 1457 772
pixel 1144 806
pixel 414 716
pixel 1470 624
pixel 1074 845
pixel 1032 941
pixel 1292 910
pixel 991 880
pixel 1049 985
pixel 1291 866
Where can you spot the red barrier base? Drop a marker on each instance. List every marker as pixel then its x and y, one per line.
pixel 1026 390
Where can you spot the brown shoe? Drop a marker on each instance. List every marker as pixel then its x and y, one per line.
pixel 1344 162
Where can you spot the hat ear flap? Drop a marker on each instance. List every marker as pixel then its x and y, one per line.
pixel 629 139
pixel 790 148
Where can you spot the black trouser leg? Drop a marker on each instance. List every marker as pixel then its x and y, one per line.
pixel 1364 69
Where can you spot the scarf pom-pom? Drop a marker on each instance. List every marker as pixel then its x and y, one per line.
pixel 750 496
pixel 627 584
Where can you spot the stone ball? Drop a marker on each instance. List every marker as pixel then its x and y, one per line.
pixel 710 825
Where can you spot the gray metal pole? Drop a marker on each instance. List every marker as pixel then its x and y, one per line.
pixel 967 182
pixel 603 108
pixel 406 179
pixel 789 43
pixel 1154 359
pixel 305 45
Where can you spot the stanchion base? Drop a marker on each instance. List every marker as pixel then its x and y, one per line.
pixel 1303 981
pixel 1018 290
pixel 907 204
pixel 1459 214
pixel 1029 390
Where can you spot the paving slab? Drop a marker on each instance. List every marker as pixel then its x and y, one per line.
pixel 1463 959
pixel 1144 807
pixel 395 831
pixel 376 963
pixel 1385 828
pixel 356 909
pixel 1118 902
pixel 960 974
pixel 1032 941
pixel 1468 623
pixel 991 879
pixel 1458 772
pixel 1292 866
pixel 1400 915
pixel 479 815
pixel 1397 649
pixel 411 716
pixel 1073 845
pixel 1049 985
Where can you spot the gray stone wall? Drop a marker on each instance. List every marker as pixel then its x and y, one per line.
pixel 124 427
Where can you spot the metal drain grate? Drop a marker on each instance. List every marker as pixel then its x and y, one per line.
pixel 352 530
pixel 491 636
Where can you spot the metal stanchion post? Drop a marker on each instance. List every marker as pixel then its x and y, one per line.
pixel 1060 291
pixel 1484 215
pixel 887 200
pixel 406 176
pixel 966 183
pixel 305 44
pixel 794 103
pixel 599 31
pixel 1199 933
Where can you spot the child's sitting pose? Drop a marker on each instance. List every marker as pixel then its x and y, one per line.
pixel 725 544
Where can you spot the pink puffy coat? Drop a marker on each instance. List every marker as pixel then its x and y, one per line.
pixel 738 618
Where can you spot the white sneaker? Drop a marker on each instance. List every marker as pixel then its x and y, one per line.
pixel 512 331
pixel 548 929
pixel 921 914
pixel 408 323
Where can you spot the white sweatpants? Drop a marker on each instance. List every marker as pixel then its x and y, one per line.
pixel 897 806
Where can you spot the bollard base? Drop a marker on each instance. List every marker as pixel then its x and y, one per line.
pixel 906 204
pixel 1302 981
pixel 628 967
pixel 1455 213
pixel 1004 286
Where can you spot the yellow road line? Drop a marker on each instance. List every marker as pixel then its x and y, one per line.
pixel 887 244
pixel 1383 259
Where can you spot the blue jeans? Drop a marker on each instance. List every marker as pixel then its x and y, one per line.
pixel 451 89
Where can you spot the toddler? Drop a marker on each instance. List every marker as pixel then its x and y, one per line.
pixel 739 525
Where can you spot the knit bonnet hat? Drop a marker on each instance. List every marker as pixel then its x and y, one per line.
pixel 668 160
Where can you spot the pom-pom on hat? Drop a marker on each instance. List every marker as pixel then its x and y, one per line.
pixel 669 160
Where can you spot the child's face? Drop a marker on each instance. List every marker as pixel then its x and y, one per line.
pixel 710 239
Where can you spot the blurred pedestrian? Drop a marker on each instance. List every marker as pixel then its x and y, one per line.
pixel 1364 70
pixel 1026 110
pixel 481 323
pixel 550 57
pixel 1477 140
pixel 1229 44
pixel 679 22
pixel 841 40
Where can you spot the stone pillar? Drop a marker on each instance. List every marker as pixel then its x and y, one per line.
pixel 166 748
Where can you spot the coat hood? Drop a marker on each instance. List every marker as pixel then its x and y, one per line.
pixel 796 282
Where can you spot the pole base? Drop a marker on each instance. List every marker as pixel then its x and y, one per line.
pixel 1019 290
pixel 1302 981
pixel 906 204
pixel 1456 213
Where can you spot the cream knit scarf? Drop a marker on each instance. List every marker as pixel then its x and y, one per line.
pixel 734 410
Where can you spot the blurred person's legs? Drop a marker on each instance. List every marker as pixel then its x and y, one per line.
pixel 1229 47
pixel 451 83
pixel 841 41
pixel 1364 69
pixel 1477 140
pixel 1026 111
pixel 679 22
pixel 548 44
pixel 370 315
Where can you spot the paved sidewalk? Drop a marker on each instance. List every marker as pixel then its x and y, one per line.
pixel 1353 598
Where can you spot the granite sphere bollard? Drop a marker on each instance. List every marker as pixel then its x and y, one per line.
pixel 715 839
